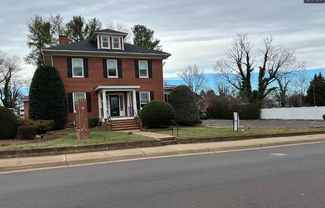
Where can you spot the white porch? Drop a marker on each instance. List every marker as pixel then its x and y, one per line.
pixel 117 102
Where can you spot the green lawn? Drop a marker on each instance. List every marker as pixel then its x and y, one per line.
pixel 200 132
pixel 96 137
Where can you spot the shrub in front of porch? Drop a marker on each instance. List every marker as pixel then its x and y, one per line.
pixel 157 114
pixel 93 122
pixel 47 97
pixel 183 101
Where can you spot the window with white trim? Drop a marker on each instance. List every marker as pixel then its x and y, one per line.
pixel 76 96
pixel 112 68
pixel 77 68
pixel 116 43
pixel 143 69
pixel 105 42
pixel 144 98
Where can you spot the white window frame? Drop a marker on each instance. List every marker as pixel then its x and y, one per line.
pixel 116 68
pixel 142 92
pixel 147 76
pixel 119 42
pixel 82 64
pixel 102 41
pixel 74 101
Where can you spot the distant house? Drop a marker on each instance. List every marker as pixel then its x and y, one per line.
pixel 25 101
pixel 167 91
pixel 115 77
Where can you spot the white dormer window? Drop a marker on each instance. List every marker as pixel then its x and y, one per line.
pixel 116 43
pixel 105 42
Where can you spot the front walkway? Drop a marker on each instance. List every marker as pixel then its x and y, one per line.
pixel 151 134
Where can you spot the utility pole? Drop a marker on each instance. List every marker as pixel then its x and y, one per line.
pixel 314 94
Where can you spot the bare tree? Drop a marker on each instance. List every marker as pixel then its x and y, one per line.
pixel 119 27
pixel 9 89
pixel 193 77
pixel 58 28
pixel 238 65
pixel 283 90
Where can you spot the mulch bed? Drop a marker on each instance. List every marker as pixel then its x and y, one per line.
pixel 38 139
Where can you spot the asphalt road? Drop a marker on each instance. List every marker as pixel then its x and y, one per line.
pixel 246 123
pixel 292 176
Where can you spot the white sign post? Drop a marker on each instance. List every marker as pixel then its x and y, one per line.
pixel 236 122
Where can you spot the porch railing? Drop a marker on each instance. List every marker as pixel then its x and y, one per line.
pixel 174 123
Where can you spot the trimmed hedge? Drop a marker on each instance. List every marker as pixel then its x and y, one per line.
pixel 225 109
pixel 93 122
pixel 183 101
pixel 43 126
pixel 8 124
pixel 27 132
pixel 157 113
pixel 47 97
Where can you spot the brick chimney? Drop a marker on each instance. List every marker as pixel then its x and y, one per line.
pixel 63 39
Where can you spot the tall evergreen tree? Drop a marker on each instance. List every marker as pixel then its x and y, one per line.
pixel 39 37
pixel 57 28
pixel 77 29
pixel 93 25
pixel 143 36
pixel 316 91
pixel 47 97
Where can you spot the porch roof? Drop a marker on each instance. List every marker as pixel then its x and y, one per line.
pixel 116 87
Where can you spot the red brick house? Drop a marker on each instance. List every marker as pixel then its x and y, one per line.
pixel 115 77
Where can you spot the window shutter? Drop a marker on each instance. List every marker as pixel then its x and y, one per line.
pixel 69 67
pixel 138 100
pixel 119 68
pixel 86 67
pixel 70 102
pixel 88 97
pixel 150 69
pixel 152 95
pixel 105 68
pixel 136 66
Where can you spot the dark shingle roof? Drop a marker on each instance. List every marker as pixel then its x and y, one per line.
pixel 109 31
pixel 86 45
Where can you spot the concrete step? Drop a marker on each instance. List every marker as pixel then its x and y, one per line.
pixel 125 129
pixel 169 139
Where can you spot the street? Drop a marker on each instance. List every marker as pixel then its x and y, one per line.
pixel 246 123
pixel 289 176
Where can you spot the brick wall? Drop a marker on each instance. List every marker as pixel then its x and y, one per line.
pixel 96 77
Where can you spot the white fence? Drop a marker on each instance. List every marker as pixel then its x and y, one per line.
pixel 298 113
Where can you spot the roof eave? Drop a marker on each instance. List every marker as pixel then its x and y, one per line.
pixel 108 53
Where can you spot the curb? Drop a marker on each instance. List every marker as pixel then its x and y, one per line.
pixel 136 144
pixel 170 152
pixel 78 149
pixel 232 138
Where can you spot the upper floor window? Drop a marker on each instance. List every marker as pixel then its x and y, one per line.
pixel 116 43
pixel 112 68
pixel 77 68
pixel 143 69
pixel 105 42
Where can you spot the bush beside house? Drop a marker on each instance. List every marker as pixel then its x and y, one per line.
pixel 47 97
pixel 8 124
pixel 183 101
pixel 157 114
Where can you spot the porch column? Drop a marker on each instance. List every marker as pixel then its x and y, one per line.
pixel 104 104
pixel 134 98
pixel 100 105
pixel 128 103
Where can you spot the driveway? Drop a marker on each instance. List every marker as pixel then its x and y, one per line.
pixel 246 123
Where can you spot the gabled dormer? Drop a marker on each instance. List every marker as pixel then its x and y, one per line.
pixel 109 39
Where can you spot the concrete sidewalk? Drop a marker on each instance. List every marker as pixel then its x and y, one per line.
pixel 66 160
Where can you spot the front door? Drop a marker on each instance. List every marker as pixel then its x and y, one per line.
pixel 115 111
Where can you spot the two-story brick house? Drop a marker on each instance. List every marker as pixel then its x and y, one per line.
pixel 115 77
